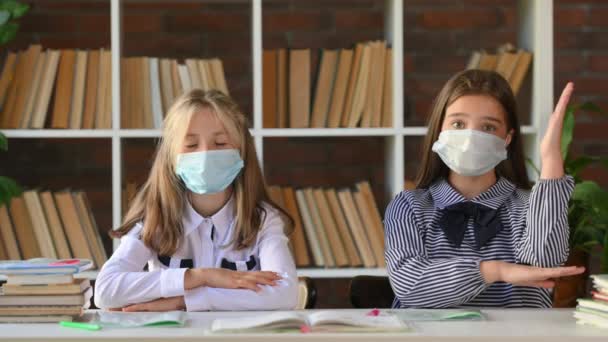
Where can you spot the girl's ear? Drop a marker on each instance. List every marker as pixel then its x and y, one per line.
pixel 509 137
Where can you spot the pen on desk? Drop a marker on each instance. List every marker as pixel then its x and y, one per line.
pixel 79 325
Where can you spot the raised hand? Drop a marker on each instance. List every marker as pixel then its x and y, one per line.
pixel 550 147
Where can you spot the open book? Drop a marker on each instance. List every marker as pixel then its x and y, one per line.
pixel 321 321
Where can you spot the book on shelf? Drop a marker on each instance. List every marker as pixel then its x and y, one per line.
pixel 321 321
pixel 55 226
pixel 282 89
pixel 330 230
pixel 323 240
pixel 50 225
pixel 24 231
pixel 299 88
pixel 339 228
pixel 41 229
pixel 512 63
pixel 71 89
pixel 73 227
pixel 343 229
pixel 339 89
pixel 324 86
pixel 355 223
pixel 300 246
pixel 270 88
pixel 387 101
pixel 8 235
pixel 309 228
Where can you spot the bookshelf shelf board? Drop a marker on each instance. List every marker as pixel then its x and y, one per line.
pixel 57 133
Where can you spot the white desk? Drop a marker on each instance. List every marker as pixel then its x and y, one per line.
pixel 501 325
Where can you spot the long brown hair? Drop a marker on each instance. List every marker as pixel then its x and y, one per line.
pixel 474 82
pixel 160 203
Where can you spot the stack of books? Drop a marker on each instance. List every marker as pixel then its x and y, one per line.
pixel 594 311
pixel 44 290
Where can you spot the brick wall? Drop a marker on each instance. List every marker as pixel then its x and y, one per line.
pixel 439 37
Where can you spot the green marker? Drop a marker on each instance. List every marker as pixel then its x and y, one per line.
pixel 79 325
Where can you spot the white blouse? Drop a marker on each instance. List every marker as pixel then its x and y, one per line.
pixel 122 280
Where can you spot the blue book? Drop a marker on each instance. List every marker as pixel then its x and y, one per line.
pixel 41 266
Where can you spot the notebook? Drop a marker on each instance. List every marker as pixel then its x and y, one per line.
pixel 437 315
pixel 321 321
pixel 140 319
pixel 45 266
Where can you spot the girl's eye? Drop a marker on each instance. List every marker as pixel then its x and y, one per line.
pixel 489 128
pixel 191 146
pixel 458 124
pixel 220 144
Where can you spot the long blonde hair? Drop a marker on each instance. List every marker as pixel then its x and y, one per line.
pixel 160 203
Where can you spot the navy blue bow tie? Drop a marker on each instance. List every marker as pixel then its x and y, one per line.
pixel 455 217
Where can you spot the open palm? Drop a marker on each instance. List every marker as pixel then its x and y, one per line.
pixel 550 146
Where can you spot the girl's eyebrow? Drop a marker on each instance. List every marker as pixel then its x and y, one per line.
pixel 493 119
pixel 458 114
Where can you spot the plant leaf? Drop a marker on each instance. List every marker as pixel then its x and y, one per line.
pixel 8 32
pixel 8 189
pixel 591 107
pixel 20 10
pixel 4 17
pixel 15 8
pixel 604 259
pixel 573 167
pixel 568 131
pixel 530 163
pixel 3 142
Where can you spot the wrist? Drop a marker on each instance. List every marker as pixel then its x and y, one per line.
pixel 490 271
pixel 194 277
pixel 552 168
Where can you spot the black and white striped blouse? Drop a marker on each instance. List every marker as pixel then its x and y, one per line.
pixel 427 271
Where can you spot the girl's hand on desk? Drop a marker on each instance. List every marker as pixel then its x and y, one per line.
pixel 550 147
pixel 158 305
pixel 523 275
pixel 228 279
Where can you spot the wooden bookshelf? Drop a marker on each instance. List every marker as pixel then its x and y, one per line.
pixel 535 34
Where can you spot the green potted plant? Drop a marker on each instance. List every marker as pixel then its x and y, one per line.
pixel 8 187
pixel 587 215
pixel 10 11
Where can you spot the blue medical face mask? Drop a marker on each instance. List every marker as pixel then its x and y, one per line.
pixel 209 172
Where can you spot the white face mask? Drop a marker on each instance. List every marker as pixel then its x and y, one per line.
pixel 470 152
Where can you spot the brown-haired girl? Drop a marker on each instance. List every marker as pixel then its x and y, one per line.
pixel 473 233
pixel 202 222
